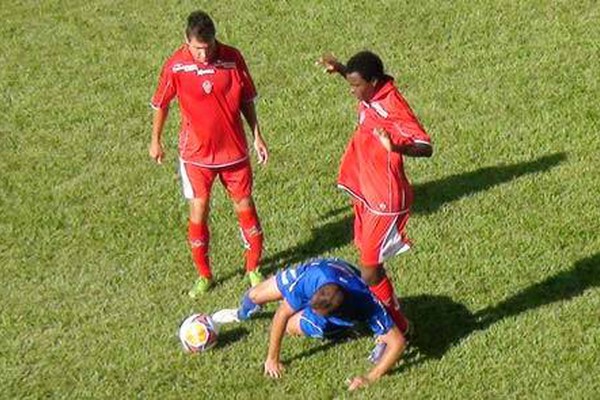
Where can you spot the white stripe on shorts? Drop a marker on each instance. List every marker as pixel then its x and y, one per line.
pixel 392 243
pixel 188 190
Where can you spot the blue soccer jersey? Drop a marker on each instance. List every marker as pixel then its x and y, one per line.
pixel 298 284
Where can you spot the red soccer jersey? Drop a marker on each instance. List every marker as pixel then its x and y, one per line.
pixel 368 171
pixel 210 96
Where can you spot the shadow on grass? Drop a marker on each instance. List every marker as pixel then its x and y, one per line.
pixel 429 197
pixel 230 336
pixel 441 323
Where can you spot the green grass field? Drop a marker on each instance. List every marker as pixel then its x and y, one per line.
pixel 503 285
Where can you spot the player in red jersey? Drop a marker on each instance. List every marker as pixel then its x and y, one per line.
pixel 214 88
pixel 372 169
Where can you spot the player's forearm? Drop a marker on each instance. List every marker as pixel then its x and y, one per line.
pixel 395 345
pixel 340 68
pixel 158 123
pixel 249 111
pixel 414 149
pixel 276 336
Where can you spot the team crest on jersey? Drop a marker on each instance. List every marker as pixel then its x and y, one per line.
pixel 207 86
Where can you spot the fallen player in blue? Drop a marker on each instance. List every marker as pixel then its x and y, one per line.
pixel 321 299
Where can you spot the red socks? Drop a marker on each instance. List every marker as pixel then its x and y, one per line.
pixel 199 238
pixel 252 237
pixel 384 291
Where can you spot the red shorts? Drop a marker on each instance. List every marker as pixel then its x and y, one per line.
pixel 197 181
pixel 378 237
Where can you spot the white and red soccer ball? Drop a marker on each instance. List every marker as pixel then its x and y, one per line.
pixel 198 332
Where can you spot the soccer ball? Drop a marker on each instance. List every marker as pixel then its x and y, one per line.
pixel 198 333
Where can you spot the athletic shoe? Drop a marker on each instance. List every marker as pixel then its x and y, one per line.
pixel 226 316
pixel 247 307
pixel 377 352
pixel 201 286
pixel 255 277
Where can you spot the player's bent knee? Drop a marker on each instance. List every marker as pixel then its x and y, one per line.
pixel 293 326
pixel 199 210
pixel 265 292
pixel 243 203
pixel 372 275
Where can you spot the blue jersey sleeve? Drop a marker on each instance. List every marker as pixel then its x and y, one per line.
pixel 380 322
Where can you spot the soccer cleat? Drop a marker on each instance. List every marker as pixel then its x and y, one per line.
pixel 201 286
pixel 226 316
pixel 255 277
pixel 377 352
pixel 247 308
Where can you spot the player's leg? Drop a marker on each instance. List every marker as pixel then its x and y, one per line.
pixel 259 295
pixel 197 183
pixel 310 324
pixel 238 182
pixel 293 327
pixel 382 239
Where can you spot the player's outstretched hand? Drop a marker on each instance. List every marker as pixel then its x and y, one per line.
pixel 384 138
pixel 273 369
pixel 261 149
pixel 156 152
pixel 358 382
pixel 330 63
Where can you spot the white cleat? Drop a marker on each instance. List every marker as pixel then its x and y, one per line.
pixel 226 316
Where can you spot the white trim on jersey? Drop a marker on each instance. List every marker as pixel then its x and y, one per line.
pixel 162 96
pixel 392 243
pixel 297 279
pixel 422 141
pixel 215 165
pixel 362 200
pixel 379 109
pixel 188 190
pixel 311 323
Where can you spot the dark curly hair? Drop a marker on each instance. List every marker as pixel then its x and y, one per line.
pixel 367 64
pixel 200 26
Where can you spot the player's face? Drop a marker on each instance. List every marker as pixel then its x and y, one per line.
pixel 202 51
pixel 362 89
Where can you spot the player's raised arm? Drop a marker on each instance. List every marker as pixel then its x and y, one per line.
pixel 395 345
pixel 331 64
pixel 273 366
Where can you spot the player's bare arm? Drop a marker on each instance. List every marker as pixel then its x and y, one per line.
pixel 410 150
pixel 395 345
pixel 273 366
pixel 331 64
pixel 249 111
pixel 158 122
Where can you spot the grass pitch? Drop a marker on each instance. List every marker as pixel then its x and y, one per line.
pixel 502 284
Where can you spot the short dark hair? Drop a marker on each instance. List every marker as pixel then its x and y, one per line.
pixel 367 64
pixel 327 299
pixel 200 26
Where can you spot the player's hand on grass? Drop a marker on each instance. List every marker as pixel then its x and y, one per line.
pixel 358 382
pixel 273 368
pixel 330 63
pixel 261 149
pixel 156 152
pixel 384 138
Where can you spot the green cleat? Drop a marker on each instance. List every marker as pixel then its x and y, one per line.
pixel 200 287
pixel 255 277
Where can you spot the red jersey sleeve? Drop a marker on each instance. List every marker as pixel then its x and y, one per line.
pixel 165 92
pixel 248 88
pixel 405 127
